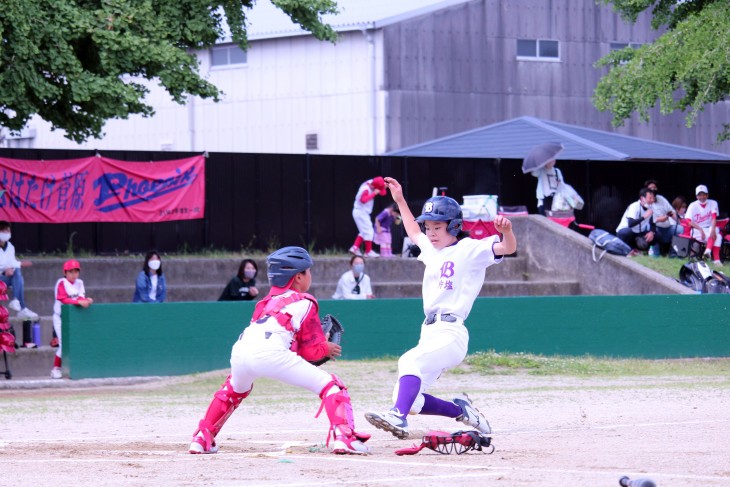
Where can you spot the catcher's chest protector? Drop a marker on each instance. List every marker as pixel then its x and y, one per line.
pixel 272 306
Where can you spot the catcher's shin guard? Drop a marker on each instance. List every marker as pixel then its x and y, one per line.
pixel 336 402
pixel 225 401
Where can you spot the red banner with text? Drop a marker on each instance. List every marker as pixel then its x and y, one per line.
pixel 99 189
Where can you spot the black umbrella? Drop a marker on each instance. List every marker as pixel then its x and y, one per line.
pixel 541 155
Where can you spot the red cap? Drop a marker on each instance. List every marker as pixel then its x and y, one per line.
pixel 71 264
pixel 379 184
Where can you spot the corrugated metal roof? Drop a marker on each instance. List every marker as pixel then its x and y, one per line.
pixel 514 138
pixel 266 21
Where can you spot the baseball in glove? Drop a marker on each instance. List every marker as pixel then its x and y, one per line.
pixel 332 329
pixel 448 443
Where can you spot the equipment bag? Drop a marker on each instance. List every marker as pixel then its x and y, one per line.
pixel 609 243
pixel 696 275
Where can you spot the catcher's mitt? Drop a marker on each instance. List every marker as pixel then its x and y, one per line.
pixel 448 443
pixel 332 329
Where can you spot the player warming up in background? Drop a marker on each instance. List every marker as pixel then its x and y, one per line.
pixel 454 275
pixel 285 332
pixel 68 290
pixel 361 211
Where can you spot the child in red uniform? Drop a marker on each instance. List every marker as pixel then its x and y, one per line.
pixel 361 210
pixel 283 335
pixel 68 290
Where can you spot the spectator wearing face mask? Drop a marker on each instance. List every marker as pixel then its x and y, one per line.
pixel 11 275
pixel 354 284
pixel 243 285
pixel 150 287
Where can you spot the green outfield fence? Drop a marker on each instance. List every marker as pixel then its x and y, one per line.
pixel 120 340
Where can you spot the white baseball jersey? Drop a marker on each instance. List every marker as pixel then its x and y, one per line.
pixel 73 290
pixel 64 289
pixel 359 205
pixel 702 215
pixel 270 335
pixel 635 211
pixel 263 350
pixel 455 274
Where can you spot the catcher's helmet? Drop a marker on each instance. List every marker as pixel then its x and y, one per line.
pixel 71 264
pixel 443 209
pixel 285 263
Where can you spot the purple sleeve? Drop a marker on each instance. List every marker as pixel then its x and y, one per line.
pixel 384 218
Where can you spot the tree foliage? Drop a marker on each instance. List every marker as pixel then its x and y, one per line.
pixel 78 63
pixel 686 68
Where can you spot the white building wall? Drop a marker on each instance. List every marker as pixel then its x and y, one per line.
pixel 289 88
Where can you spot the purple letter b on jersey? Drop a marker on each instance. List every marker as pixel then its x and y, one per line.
pixel 447 270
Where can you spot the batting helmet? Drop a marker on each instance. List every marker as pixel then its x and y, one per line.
pixel 285 263
pixel 3 291
pixel 379 184
pixel 71 264
pixel 443 209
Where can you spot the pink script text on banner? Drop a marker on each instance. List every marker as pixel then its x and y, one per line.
pixel 99 189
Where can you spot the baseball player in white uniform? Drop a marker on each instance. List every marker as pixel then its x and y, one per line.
pixel 702 215
pixel 361 211
pixel 284 334
pixel 454 275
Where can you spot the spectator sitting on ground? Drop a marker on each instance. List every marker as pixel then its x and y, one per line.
pixel 150 286
pixel 663 214
pixel 242 287
pixel 354 284
pixel 637 228
pixel 11 275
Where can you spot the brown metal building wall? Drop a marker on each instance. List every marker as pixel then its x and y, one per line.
pixel 456 70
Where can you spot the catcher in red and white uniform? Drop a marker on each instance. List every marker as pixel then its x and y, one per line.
pixel 361 211
pixel 702 215
pixel 68 290
pixel 284 334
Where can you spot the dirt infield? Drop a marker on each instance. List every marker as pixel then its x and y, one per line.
pixel 549 431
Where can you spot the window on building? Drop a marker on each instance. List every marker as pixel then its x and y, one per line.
pixel 617 46
pixel 538 49
pixel 228 55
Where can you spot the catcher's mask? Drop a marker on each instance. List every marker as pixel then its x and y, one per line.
pixel 442 209
pixel 285 263
pixel 448 443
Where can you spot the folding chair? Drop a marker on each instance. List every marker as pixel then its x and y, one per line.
pixel 567 219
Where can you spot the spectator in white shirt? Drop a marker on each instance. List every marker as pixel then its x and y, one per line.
pixel 11 275
pixel 354 284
